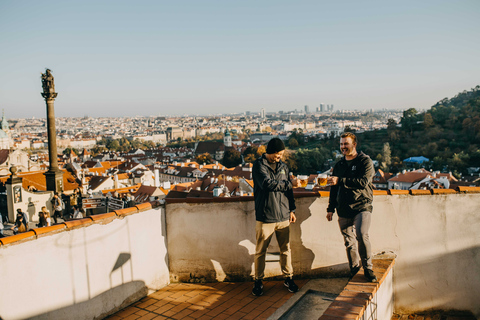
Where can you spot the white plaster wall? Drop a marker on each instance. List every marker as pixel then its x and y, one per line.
pixel 434 237
pixel 31 204
pixel 86 272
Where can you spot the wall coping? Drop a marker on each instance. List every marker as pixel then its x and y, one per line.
pixel 322 193
pixel 119 214
pixel 354 299
pixel 103 218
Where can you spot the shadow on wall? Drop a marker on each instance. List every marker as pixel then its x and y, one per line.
pixel 222 253
pixel 122 291
pixel 438 283
pixel 236 261
pixel 138 287
pixel 302 257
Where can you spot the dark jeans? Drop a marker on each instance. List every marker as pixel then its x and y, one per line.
pixel 355 234
pixel 57 214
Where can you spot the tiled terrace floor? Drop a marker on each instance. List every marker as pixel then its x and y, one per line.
pixel 433 316
pixel 221 300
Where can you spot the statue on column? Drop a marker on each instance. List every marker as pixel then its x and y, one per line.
pixel 47 82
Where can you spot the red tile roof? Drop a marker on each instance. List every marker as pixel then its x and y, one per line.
pixel 411 176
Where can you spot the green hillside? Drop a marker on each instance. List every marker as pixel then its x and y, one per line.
pixel 448 134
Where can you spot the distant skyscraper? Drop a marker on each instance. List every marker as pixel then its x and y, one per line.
pixel 262 113
pixel 322 107
pixel 306 109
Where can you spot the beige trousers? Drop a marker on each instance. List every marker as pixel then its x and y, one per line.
pixel 264 232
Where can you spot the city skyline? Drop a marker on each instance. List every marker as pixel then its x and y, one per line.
pixel 114 59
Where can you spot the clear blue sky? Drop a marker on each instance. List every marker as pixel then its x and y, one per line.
pixel 127 58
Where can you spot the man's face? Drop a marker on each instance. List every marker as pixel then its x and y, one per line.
pixel 347 147
pixel 275 157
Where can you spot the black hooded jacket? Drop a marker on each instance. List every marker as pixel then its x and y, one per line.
pixel 272 190
pixel 354 191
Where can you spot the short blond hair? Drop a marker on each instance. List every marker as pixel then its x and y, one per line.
pixel 349 135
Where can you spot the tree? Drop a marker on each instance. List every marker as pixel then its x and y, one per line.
pixel 428 120
pixel 290 159
pixel 261 150
pixel 67 151
pixel 293 143
pixel 232 158
pixel 391 124
pixel 386 157
pixel 204 158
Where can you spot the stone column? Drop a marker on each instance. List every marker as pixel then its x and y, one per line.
pixel 54 175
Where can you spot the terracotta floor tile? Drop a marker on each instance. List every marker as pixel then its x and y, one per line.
pixel 148 316
pixel 127 311
pixel 236 316
pixel 132 317
pixel 141 312
pixel 182 314
pixel 168 313
pixel 248 308
pixel 232 309
pixel 199 313
pixel 267 313
pixel 152 307
pixel 216 311
pixel 253 314
pixel 180 307
pixel 165 308
pixel 264 305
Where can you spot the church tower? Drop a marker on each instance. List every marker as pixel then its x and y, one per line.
pixel 5 139
pixel 227 139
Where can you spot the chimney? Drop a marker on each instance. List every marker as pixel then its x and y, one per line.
pixel 217 191
pixel 157 178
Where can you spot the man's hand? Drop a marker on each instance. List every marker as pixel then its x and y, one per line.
pixel 332 180
pixel 329 216
pixel 293 218
pixel 296 183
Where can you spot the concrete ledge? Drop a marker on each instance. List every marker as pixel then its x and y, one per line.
pixel 302 193
pixel 469 189
pixel 18 237
pixel 394 191
pixel 56 227
pixel 64 226
pixel 443 191
pixel 415 192
pixel 355 299
pixel 144 206
pixel 75 223
pixel 102 216
pixel 126 211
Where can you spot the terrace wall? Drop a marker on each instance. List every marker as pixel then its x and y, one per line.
pixel 435 239
pixel 83 269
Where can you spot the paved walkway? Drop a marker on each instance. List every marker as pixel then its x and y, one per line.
pixel 223 300
pixel 433 316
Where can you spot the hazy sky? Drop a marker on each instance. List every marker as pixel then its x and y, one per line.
pixel 126 58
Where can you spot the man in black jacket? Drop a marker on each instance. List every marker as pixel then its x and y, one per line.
pixel 274 211
pixel 352 195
